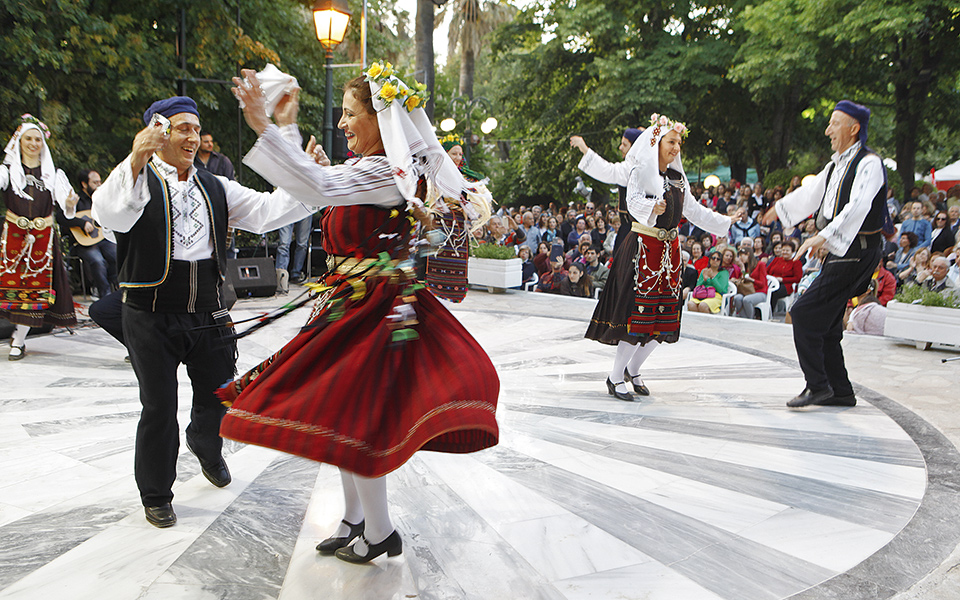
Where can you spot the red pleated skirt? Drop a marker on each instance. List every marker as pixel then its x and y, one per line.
pixel 347 392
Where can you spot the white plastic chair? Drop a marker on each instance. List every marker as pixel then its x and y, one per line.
pixel 766 309
pixel 532 284
pixel 726 303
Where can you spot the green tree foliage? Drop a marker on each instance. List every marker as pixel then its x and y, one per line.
pixel 89 68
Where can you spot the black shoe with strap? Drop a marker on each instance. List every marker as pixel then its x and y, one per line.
pixel 612 390
pixel 640 388
pixel 332 544
pixel 393 546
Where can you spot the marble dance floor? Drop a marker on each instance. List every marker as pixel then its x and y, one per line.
pixel 708 489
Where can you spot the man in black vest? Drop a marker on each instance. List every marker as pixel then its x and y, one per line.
pixel 171 221
pixel 848 199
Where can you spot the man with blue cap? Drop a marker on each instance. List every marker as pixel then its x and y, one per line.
pixel 171 223
pixel 848 200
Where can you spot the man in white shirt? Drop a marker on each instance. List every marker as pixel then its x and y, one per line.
pixel 171 222
pixel 848 199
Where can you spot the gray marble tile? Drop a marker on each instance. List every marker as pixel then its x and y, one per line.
pixel 247 548
pixel 670 538
pixel 42 428
pixel 33 541
pixel 897 452
pixel 874 509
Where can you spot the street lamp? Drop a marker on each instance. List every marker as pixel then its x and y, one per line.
pixel 330 17
pixel 469 104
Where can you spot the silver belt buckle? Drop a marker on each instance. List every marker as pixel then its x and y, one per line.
pixel 23 223
pixel 662 234
pixel 39 223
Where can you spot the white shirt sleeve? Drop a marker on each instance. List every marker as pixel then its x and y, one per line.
pixel 803 201
pixel 638 205
pixel 601 170
pixel 4 177
pixel 63 191
pixel 842 230
pixel 260 212
pixel 285 165
pixel 120 200
pixel 704 218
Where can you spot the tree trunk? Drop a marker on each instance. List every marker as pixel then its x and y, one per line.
pixel 468 62
pixel 738 167
pixel 912 83
pixel 425 59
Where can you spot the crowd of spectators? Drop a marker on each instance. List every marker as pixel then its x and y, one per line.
pixel 567 248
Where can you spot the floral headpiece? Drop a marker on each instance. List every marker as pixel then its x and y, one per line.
pixel 28 118
pixel 392 87
pixel 660 122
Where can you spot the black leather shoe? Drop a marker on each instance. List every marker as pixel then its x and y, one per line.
pixel 332 544
pixel 161 516
pixel 641 389
pixel 808 397
pixel 612 390
pixel 850 400
pixel 393 546
pixel 216 472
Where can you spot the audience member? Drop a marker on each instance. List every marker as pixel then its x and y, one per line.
pixel 869 316
pixel 901 260
pixel 751 287
pixel 919 263
pixel 576 283
pixel 787 271
pixel 542 259
pixel 594 268
pixel 551 280
pixel 935 278
pixel 711 286
pixel 917 224
pixel 527 266
pixel 942 238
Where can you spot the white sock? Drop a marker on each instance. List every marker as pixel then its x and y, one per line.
pixel 373 497
pixel 639 356
pixel 624 352
pixel 353 510
pixel 19 335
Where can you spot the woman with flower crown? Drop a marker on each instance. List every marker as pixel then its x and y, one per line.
pixel 382 369
pixel 34 287
pixel 640 303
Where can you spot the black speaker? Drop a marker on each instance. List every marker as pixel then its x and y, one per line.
pixel 252 276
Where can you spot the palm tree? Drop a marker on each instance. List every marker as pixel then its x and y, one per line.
pixel 471 21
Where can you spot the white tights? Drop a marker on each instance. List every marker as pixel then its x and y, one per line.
pixel 630 357
pixel 365 499
pixel 20 335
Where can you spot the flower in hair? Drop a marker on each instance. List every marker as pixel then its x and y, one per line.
pixel 392 87
pixel 28 118
pixel 659 122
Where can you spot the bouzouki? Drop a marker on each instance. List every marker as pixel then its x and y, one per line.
pixel 81 236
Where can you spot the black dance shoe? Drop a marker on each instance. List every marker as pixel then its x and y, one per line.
pixel 612 390
pixel 641 389
pixel 850 400
pixel 332 544
pixel 808 397
pixel 161 516
pixel 216 471
pixel 393 546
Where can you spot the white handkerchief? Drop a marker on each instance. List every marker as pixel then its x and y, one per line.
pixel 275 84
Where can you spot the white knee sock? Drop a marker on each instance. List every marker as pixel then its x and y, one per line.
pixel 624 352
pixel 353 510
pixel 373 497
pixel 20 335
pixel 639 356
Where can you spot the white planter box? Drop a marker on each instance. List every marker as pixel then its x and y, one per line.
pixel 497 275
pixel 925 325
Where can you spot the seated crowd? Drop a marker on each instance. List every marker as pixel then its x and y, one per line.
pixel 567 250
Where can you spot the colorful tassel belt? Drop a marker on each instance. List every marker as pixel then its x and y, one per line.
pixel 660 234
pixel 344 265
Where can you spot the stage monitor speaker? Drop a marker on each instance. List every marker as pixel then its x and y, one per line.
pixel 252 276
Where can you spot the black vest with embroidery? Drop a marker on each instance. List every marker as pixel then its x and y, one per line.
pixel 873 222
pixel 145 253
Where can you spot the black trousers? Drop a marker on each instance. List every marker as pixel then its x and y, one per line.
pixel 107 312
pixel 818 315
pixel 158 344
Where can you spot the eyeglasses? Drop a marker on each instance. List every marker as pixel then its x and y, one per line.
pixel 714 257
pixel 941 218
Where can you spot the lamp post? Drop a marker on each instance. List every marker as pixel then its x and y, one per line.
pixel 469 104
pixel 330 17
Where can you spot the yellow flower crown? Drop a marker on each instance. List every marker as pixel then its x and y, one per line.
pixel 660 121
pixel 451 137
pixel 392 87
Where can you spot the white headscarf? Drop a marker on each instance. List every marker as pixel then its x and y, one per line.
pixel 54 180
pixel 413 150
pixel 645 156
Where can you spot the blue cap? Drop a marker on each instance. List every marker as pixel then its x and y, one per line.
pixel 173 105
pixel 859 112
pixel 632 134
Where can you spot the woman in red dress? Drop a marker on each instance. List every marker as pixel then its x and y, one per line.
pixel 34 286
pixel 382 369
